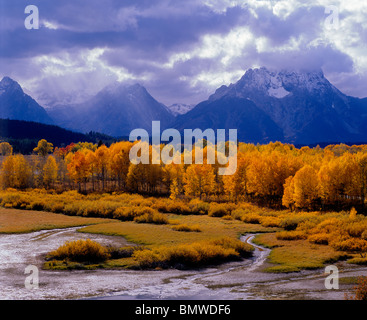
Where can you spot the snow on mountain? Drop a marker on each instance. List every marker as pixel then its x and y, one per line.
pixel 276 88
pixel 275 84
pixel 180 108
pixel 302 104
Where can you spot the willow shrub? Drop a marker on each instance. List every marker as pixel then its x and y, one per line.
pixel 186 228
pixel 80 251
pixel 220 209
pixel 291 235
pixel 140 214
pixel 196 254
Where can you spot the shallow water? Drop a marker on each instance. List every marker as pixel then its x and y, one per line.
pixel 238 280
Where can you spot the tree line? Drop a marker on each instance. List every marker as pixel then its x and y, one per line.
pixel 276 174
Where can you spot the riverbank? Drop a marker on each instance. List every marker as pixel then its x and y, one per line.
pixel 241 280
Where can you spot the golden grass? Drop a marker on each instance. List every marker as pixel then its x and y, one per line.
pixel 158 235
pixel 20 221
pixel 290 256
pixel 300 240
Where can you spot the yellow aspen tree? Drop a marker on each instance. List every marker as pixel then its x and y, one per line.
pixel 173 172
pixel 7 172
pixel 362 176
pixel 174 190
pixel 50 172
pixel 16 172
pixel 136 177
pixel 78 169
pixel 90 157
pixel 5 149
pixel 305 187
pixel 102 155
pixel 288 196
pixel 236 185
pixel 43 148
pixel 120 161
pixel 199 180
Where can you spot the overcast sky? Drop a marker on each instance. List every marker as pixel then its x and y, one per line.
pixel 180 50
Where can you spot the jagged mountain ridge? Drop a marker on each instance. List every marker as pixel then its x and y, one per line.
pixel 116 111
pixel 16 105
pixel 303 105
pixel 300 107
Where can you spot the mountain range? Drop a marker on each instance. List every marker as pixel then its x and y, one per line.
pixel 289 106
pixel 16 105
pixel 116 111
pixel 300 107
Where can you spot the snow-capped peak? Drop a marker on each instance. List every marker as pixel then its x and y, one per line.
pixel 276 88
pixel 180 108
pixel 275 84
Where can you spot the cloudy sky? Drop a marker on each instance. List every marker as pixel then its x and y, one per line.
pixel 180 50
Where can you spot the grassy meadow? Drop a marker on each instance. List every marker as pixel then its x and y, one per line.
pixel 182 233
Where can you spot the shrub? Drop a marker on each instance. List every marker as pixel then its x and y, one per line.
pixel 140 215
pixel 356 229
pixel 37 205
pixel 124 214
pixel 227 217
pixel 353 213
pixel 319 238
pixel 197 254
pixel 359 261
pixel 161 205
pixel 123 252
pixel 57 208
pixel 353 245
pixel 270 222
pixel 238 213
pixel 244 249
pixel 199 207
pixel 81 251
pixel 186 228
pixel 251 218
pixel 170 206
pixel 147 259
pixel 219 209
pixel 360 290
pixel 151 217
pixel 193 255
pixel 291 235
pixel 328 225
pixel 290 223
pixel 178 207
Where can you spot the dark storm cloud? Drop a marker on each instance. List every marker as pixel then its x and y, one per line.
pixel 140 38
pixel 111 24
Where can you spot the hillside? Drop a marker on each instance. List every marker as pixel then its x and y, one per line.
pixel 24 135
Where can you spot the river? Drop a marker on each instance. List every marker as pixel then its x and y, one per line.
pixel 230 281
